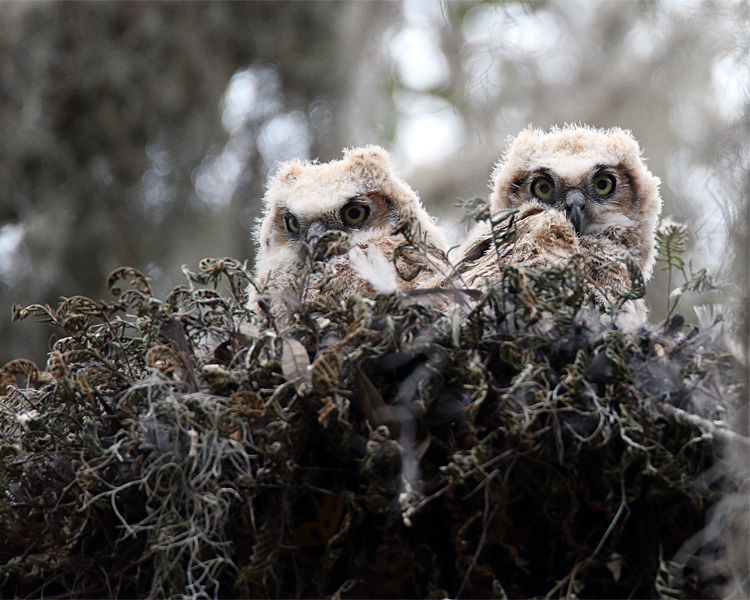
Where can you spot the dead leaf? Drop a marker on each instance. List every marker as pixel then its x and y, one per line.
pixel 295 363
pixel 615 566
pixel 375 409
pixel 327 523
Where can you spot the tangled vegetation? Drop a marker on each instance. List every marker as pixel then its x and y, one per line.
pixel 519 446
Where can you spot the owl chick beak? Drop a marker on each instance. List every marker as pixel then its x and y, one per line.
pixel 314 233
pixel 575 201
pixel 316 229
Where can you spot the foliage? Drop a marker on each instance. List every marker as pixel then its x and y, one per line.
pixel 521 446
pixel 671 243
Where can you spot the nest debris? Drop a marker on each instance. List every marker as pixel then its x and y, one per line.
pixel 526 447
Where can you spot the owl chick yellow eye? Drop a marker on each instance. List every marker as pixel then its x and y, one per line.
pixel 355 214
pixel 604 185
pixel 292 224
pixel 542 188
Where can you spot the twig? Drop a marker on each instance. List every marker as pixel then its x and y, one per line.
pixel 720 433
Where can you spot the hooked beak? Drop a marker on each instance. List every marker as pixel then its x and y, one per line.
pixel 575 201
pixel 316 229
pixel 314 233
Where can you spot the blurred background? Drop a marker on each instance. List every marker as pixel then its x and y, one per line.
pixel 142 134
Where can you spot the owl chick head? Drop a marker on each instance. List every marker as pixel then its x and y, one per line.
pixel 596 177
pixel 359 194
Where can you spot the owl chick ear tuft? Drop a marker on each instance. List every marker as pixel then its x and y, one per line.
pixel 289 171
pixel 526 135
pixel 369 157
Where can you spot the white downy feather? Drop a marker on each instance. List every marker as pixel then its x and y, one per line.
pixel 376 269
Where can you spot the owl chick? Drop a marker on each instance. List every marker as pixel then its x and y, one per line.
pixel 578 190
pixel 370 212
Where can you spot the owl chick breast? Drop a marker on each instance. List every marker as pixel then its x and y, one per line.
pixel 359 195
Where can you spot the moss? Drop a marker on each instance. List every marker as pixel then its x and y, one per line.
pixel 525 447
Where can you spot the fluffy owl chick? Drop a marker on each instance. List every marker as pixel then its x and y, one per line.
pixel 578 190
pixel 362 201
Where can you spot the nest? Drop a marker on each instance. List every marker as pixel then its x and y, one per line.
pixel 522 446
